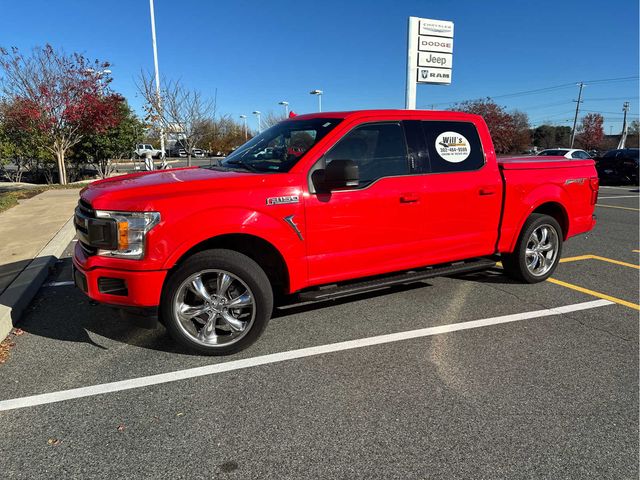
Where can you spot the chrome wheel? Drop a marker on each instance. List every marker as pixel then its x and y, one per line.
pixel 214 308
pixel 541 250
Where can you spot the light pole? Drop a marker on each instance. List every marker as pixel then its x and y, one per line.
pixel 244 120
pixel 157 72
pixel 257 114
pixel 319 94
pixel 286 108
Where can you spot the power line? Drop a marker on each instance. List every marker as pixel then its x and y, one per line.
pixel 546 89
pixel 601 99
pixel 613 80
pixel 610 113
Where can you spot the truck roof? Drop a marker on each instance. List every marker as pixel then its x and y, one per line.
pixel 440 114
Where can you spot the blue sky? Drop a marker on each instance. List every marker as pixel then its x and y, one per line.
pixel 256 53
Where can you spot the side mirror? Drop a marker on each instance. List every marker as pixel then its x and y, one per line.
pixel 340 174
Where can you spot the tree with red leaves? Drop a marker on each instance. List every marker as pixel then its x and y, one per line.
pixel 61 97
pixel 509 131
pixel 591 132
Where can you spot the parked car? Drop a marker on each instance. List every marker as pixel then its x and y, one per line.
pixel 144 149
pixel 177 152
pixel 377 198
pixel 573 153
pixel 619 166
pixel 196 152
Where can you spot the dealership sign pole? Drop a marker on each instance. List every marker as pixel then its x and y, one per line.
pixel 429 55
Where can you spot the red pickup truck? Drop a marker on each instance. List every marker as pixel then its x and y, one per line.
pixel 322 206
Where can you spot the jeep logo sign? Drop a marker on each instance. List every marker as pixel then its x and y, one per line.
pixel 429 59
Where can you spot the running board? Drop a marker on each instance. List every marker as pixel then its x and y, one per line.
pixel 341 290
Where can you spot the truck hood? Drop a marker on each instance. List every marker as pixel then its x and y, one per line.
pixel 138 191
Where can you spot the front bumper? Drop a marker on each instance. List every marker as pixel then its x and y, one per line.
pixel 126 288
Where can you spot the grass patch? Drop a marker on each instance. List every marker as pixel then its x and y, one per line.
pixel 10 199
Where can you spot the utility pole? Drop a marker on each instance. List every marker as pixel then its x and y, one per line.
pixel 575 119
pixel 623 137
pixel 155 63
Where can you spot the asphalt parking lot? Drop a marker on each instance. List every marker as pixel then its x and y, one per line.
pixel 545 387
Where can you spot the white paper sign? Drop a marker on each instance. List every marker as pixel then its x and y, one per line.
pixel 453 147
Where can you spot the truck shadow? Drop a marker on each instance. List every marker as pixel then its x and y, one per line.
pixel 65 314
pixel 493 276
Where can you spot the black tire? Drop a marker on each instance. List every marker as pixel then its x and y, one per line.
pixel 515 264
pixel 240 266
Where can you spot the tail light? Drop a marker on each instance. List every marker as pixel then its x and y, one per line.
pixel 594 183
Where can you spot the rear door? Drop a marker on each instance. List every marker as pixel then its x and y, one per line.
pixel 462 193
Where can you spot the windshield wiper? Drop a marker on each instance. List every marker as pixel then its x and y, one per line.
pixel 242 164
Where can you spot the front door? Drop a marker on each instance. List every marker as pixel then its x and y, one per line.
pixel 374 227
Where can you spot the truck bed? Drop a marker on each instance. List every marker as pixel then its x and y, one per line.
pixel 564 182
pixel 525 163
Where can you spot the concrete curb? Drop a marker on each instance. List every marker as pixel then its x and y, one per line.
pixel 21 291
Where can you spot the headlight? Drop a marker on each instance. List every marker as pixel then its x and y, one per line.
pixel 131 229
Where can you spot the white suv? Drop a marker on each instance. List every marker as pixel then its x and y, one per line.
pixel 144 149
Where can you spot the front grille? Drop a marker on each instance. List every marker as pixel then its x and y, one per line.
pixel 82 214
pixel 85 207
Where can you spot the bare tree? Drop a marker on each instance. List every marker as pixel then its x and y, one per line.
pixel 271 119
pixel 178 109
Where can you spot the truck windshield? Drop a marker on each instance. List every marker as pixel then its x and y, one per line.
pixel 281 146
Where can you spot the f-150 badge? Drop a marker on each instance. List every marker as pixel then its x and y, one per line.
pixel 283 199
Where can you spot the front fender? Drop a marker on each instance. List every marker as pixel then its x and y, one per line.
pixel 270 227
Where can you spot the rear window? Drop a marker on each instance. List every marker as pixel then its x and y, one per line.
pixel 453 146
pixel 553 153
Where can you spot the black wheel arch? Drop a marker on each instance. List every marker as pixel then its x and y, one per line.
pixel 264 253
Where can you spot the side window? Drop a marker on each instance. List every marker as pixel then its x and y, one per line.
pixel 378 149
pixel 579 154
pixel 453 146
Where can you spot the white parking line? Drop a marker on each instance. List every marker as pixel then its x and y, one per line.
pixel 140 382
pixel 621 196
pixel 628 189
